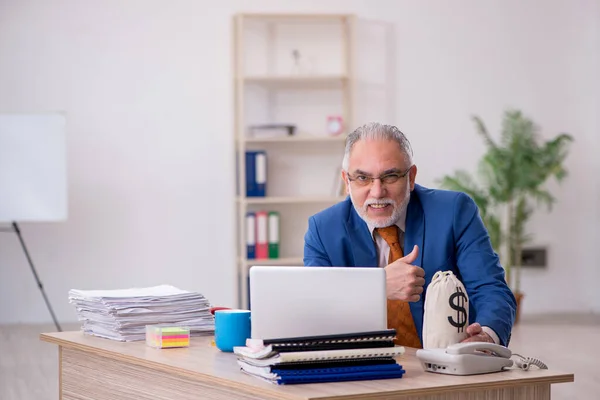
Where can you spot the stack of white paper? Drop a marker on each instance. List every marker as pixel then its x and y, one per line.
pixel 123 314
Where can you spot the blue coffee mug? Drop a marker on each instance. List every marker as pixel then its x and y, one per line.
pixel 232 328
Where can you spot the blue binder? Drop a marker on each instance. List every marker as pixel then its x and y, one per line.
pixel 250 235
pixel 256 173
pixel 337 370
pixel 388 371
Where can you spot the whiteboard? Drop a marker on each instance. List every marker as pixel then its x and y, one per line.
pixel 33 168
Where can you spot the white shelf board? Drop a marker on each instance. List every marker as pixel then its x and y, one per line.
pixel 298 139
pixel 307 80
pixel 295 17
pixel 274 261
pixel 291 200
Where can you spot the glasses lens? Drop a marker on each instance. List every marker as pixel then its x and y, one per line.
pixel 391 178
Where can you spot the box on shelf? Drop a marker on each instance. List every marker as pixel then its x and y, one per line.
pixel 271 130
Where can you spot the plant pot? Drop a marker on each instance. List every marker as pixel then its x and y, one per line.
pixel 519 297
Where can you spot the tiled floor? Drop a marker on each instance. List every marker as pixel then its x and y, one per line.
pixel 28 367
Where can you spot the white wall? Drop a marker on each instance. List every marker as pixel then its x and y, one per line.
pixel 147 89
pixel 461 58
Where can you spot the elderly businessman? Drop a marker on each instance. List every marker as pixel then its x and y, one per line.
pixel 391 222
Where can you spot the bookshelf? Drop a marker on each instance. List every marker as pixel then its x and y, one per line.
pixel 290 69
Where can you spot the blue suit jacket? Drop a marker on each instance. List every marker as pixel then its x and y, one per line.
pixel 451 236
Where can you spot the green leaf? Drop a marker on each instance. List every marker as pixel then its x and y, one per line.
pixel 482 130
pixel 462 181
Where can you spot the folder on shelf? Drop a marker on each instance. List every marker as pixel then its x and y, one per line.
pixel 250 235
pixel 256 173
pixel 273 234
pixel 262 245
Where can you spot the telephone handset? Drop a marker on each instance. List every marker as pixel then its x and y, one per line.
pixel 466 358
pixel 479 347
pixel 473 358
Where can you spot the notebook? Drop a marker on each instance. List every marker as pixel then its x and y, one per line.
pixel 384 334
pixel 319 364
pixel 301 356
pixel 374 339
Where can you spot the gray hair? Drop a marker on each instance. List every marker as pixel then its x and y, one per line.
pixel 375 130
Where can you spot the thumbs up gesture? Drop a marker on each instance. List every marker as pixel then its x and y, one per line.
pixel 405 281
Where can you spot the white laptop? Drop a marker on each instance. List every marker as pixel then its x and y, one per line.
pixel 311 301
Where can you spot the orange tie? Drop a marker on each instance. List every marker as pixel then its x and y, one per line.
pixel 398 312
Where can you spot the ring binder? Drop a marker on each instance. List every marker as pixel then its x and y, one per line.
pixel 386 334
pixel 349 376
pixel 272 359
pixel 376 339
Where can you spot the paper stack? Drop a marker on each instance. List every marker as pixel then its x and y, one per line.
pixel 123 314
pixel 330 358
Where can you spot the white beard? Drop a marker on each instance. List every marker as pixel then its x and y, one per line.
pixel 392 219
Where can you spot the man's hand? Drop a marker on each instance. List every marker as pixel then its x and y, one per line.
pixel 476 334
pixel 403 280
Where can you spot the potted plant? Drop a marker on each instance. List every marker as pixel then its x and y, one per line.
pixel 512 174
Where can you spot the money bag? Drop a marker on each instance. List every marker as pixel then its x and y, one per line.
pixel 446 314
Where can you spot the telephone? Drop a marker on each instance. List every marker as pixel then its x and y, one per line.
pixel 472 358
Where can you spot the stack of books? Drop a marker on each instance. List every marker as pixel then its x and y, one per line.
pixel 329 358
pixel 123 314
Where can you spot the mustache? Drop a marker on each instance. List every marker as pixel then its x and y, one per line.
pixel 380 202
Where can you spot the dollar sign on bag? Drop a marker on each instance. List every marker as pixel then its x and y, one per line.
pixel 457 302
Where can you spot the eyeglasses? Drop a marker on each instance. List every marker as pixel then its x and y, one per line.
pixel 387 179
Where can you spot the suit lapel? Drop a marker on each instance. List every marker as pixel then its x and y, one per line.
pixel 415 228
pixel 414 235
pixel 363 247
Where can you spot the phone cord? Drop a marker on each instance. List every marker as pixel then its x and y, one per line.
pixel 526 362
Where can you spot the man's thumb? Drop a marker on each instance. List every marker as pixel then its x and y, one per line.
pixel 412 256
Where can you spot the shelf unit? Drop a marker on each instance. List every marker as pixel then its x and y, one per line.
pixel 262 46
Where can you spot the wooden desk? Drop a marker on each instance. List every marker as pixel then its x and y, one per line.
pixel 102 369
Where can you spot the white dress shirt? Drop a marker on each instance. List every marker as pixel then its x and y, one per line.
pixel 383 251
